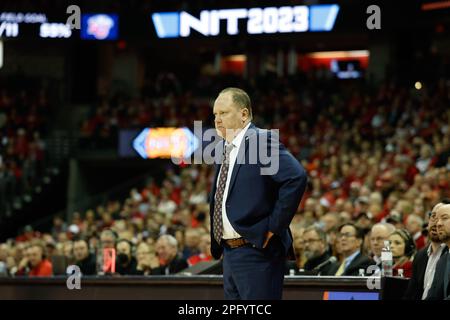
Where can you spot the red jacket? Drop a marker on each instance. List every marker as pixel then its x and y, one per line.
pixel 407 269
pixel 44 269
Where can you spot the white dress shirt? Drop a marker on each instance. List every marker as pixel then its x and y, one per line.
pixel 433 258
pixel 228 230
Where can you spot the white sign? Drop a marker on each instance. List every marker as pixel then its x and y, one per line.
pixel 9 30
pixel 20 17
pixel 55 30
pixel 258 20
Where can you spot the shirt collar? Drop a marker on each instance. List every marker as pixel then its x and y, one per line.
pixel 238 139
pixel 439 249
pixel 349 259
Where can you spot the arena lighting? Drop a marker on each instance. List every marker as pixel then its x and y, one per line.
pixel 267 20
pixel 418 85
pixel 339 54
pixel 236 57
pixel 435 5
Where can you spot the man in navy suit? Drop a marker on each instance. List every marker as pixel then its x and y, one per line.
pixel 253 201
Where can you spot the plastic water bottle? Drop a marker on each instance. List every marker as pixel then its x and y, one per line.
pixel 386 260
pixel 100 271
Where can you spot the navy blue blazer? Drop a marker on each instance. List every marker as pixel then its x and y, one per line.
pixel 258 203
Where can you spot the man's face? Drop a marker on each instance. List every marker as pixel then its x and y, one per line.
pixel 205 244
pixel 432 225
pixel 35 256
pixel 348 241
pixel 443 223
pixel 80 250
pixel 228 117
pixel 191 239
pixel 378 235
pixel 68 249
pixel 143 253
pixel 413 226
pixel 124 247
pixel 314 246
pixel 329 221
pixel 165 251
pixel 107 242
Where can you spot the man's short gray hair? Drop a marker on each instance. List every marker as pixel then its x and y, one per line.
pixel 240 98
pixel 322 235
pixel 389 227
pixel 171 240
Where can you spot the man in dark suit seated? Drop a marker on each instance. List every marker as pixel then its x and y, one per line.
pixel 351 239
pixel 85 260
pixel 319 260
pixel 425 260
pixel 440 288
pixel 169 260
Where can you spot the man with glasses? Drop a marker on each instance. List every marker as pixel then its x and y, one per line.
pixel 424 264
pixel 350 238
pixel 319 260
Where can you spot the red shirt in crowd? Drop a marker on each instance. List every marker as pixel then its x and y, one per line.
pixel 43 269
pixel 198 258
pixel 407 269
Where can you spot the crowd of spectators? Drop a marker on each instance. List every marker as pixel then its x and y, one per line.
pixel 378 161
pixel 22 148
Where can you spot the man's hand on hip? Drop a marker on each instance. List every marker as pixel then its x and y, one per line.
pixel 268 236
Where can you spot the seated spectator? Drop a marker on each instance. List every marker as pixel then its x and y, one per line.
pixel 315 241
pixel 35 263
pixel 68 252
pixel 108 239
pixel 414 225
pixel 205 251
pixel 167 250
pixel 146 260
pixel 378 235
pixel 191 243
pixel 85 260
pixel 403 249
pixel 125 262
pixel 350 239
pixel 330 221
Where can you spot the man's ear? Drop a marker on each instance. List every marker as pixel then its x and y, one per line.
pixel 245 114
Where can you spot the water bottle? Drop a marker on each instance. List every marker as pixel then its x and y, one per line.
pixel 100 271
pixel 386 260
